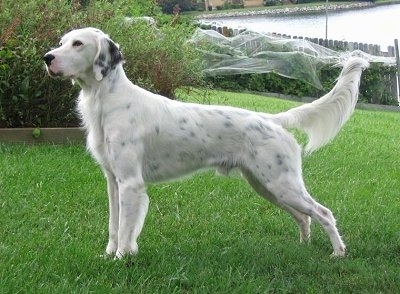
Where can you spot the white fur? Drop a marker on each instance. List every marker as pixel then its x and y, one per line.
pixel 139 137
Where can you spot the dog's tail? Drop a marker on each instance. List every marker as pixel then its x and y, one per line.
pixel 322 119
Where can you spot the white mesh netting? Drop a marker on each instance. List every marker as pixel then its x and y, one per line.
pixel 254 52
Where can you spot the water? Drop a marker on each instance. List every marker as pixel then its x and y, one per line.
pixel 378 25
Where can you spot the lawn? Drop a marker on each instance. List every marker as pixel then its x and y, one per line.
pixel 205 234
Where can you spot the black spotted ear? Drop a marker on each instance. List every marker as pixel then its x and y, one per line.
pixel 107 58
pixel 115 54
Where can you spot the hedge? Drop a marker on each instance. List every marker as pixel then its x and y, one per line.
pixel 157 58
pixel 378 84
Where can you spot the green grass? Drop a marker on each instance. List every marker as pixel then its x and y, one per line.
pixel 205 234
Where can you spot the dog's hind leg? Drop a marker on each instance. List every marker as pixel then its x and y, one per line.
pixel 290 191
pixel 286 189
pixel 322 215
pixel 303 221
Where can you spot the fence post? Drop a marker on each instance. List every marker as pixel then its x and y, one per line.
pixel 396 51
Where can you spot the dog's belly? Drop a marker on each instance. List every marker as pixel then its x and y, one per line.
pixel 206 138
pixel 182 159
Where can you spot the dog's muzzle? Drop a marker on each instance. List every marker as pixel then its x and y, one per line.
pixel 48 58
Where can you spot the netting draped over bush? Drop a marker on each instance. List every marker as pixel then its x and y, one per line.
pixel 254 52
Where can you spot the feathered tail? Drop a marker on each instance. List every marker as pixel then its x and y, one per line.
pixel 322 119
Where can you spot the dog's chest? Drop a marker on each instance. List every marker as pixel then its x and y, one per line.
pixel 91 115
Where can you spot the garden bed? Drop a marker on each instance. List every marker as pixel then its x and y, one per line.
pixel 43 135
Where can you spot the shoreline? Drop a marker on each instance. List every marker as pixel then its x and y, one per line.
pixel 293 10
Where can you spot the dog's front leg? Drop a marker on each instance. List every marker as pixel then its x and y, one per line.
pixel 133 203
pixel 113 223
pixel 125 159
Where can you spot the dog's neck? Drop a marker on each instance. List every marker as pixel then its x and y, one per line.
pixel 90 85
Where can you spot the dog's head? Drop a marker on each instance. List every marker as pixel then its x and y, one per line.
pixel 83 54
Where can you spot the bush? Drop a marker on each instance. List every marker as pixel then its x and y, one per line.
pixel 162 61
pixel 168 6
pixel 229 5
pixel 270 2
pixel 27 96
pixel 377 84
pixel 158 60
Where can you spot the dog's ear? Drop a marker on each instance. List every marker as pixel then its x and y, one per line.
pixel 107 57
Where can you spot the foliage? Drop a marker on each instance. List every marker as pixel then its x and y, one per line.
pixel 168 6
pixel 141 8
pixel 162 61
pixel 230 5
pixel 25 94
pixel 271 2
pixel 157 59
pixel 377 84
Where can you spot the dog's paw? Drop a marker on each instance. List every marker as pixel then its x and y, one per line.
pixel 339 253
pixel 111 248
pixel 129 251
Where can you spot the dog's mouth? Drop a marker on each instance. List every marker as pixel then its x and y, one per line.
pixel 55 74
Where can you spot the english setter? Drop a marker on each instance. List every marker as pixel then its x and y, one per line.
pixel 139 137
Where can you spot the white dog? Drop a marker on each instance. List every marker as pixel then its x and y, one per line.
pixel 139 137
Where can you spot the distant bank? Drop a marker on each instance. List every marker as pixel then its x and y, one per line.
pixel 294 9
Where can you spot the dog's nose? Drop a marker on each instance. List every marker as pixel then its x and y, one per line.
pixel 48 58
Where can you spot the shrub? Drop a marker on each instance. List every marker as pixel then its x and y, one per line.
pixel 27 97
pixel 158 60
pixel 270 2
pixel 168 6
pixel 229 5
pixel 377 84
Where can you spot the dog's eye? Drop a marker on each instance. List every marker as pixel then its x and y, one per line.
pixel 77 43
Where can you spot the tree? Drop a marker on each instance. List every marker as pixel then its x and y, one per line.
pixel 184 5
